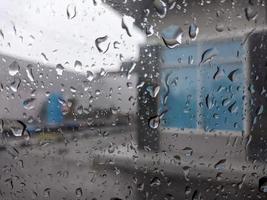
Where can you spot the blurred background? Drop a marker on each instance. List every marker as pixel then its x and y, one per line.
pixel 156 99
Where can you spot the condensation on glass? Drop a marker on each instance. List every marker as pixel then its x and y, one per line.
pixel 116 100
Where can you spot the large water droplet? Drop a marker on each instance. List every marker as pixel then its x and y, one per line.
pixel 172 36
pixel 13 68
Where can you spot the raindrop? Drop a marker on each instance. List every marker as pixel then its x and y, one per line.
pixel 111 148
pixel 154 122
pixel 187 190
pixel 219 27
pixel 59 69
pixel 29 73
pixel 126 22
pixel 207 56
pixel 28 104
pixel 209 101
pixel 155 182
pixel 196 195
pixel 90 76
pixel 71 11
pixel 78 192
pixel 140 186
pixel 220 165
pixel 250 13
pixel 186 171
pixel 100 40
pixel 13 68
pixel 259 110
pixel 47 192
pixel 218 74
pixel 14 86
pixel 233 108
pixel 263 184
pixel 44 56
pixel 188 151
pixel 18 128
pixel 233 75
pixel 73 89
pixel 77 64
pixel 193 31
pixel 175 38
pixel 2 34
pixel 153 91
pixel 149 30
pixel 160 7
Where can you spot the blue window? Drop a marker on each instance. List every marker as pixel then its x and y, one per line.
pixel 203 91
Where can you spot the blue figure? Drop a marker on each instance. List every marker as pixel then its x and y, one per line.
pixel 54 110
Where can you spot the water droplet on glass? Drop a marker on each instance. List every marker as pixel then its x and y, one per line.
pixel 233 75
pixel 29 73
pixel 263 184
pixel 90 76
pixel 71 11
pixel 126 23
pixel 218 74
pixel 220 27
pixel 251 14
pixel 13 68
pixel 259 110
pixel 59 69
pixel 233 108
pixel 28 104
pixel 14 86
pixel 207 56
pixel 99 41
pixel 154 122
pixel 77 64
pixel 160 7
pixel 209 101
pixel 186 171
pixel 155 182
pixel 188 151
pixel 153 91
pixel 73 89
pixel 18 128
pixel 220 166
pixel 193 31
pixel 172 36
pixel 47 192
pixel 78 192
pixel 196 195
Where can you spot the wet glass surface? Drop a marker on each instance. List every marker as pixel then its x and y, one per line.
pixel 116 100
